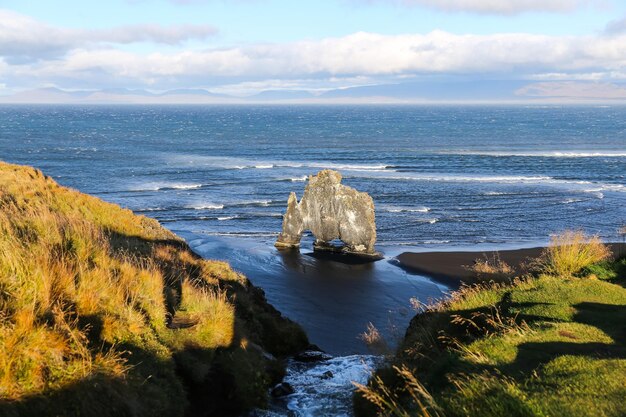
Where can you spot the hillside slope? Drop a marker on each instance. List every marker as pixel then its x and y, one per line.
pixel 546 345
pixel 106 313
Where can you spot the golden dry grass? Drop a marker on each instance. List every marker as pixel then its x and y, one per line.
pixel 570 252
pixel 491 268
pixel 375 340
pixel 89 290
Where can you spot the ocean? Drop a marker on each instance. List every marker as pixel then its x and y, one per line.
pixel 444 175
pixel 442 178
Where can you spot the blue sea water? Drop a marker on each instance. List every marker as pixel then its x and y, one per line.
pixel 442 176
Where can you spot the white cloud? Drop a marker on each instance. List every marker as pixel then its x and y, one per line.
pixel 32 53
pixel 500 7
pixel 25 38
pixel 363 54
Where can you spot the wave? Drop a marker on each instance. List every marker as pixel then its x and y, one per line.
pixel 605 187
pixel 407 210
pixel 348 167
pixel 430 221
pixel 293 179
pixel 227 218
pixel 497 179
pixel 206 207
pixel 492 193
pixel 462 178
pixel 572 200
pixel 243 163
pixel 183 186
pixel 255 203
pixel 165 186
pixel 146 209
pixel 544 154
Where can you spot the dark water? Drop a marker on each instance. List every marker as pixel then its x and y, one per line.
pixel 441 177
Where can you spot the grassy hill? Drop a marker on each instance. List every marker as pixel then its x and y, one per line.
pixel 551 344
pixel 106 313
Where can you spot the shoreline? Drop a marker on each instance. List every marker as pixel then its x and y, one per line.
pixel 449 266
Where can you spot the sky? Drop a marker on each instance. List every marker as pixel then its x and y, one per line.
pixel 242 47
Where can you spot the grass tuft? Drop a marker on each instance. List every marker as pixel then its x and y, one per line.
pixel 570 252
pixel 491 268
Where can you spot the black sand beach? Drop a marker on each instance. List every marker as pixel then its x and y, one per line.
pixel 451 267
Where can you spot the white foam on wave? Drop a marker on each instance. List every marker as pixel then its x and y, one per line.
pixel 348 167
pixel 159 186
pixel 261 203
pixel 493 193
pixel 496 179
pixel 542 154
pixel 244 163
pixel 391 175
pixel 226 218
pixel 605 187
pixel 572 200
pixel 293 179
pixel 184 186
pixel 407 210
pixel 205 206
pixel 430 221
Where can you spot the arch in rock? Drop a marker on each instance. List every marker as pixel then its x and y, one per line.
pixel 330 210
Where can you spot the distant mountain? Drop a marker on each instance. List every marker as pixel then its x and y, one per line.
pixel 499 90
pixel 433 91
pixel 192 92
pixel 275 95
pixel 126 92
pixel 117 96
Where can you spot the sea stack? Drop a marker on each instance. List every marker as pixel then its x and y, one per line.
pixel 330 210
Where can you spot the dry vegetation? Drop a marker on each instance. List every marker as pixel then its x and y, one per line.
pixel 106 313
pixel 491 268
pixel 570 252
pixel 550 344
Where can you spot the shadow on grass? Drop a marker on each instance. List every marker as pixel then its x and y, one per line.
pixel 190 380
pixel 611 319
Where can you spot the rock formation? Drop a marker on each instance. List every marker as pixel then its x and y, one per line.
pixel 330 211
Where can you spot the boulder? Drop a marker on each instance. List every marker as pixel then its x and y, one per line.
pixel 330 210
pixel 281 390
pixel 312 356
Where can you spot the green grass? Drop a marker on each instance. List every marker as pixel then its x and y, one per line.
pixel 105 313
pixel 548 345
